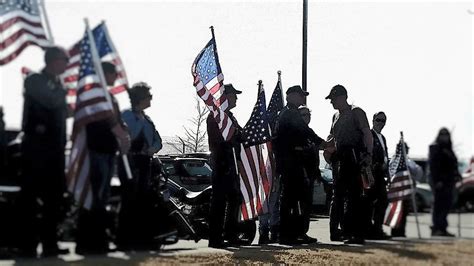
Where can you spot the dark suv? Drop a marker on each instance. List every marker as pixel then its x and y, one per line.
pixel 192 173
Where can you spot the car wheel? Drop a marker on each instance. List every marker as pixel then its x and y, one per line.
pixel 469 205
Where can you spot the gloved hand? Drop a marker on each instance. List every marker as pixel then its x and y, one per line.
pixel 123 138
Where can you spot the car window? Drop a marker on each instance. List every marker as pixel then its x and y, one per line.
pixel 197 168
pixel 168 168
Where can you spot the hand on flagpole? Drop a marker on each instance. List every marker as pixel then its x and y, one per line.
pixel 123 138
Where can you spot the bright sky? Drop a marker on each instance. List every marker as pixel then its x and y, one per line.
pixel 411 60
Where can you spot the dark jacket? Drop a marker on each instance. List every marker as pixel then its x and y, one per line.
pixel 443 165
pixel 379 157
pixel 99 133
pixel 222 154
pixel 291 138
pixel 44 113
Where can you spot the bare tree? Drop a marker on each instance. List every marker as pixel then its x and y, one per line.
pixel 194 139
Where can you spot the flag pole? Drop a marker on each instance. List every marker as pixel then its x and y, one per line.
pixel 100 72
pixel 233 149
pixel 411 185
pixel 44 15
pixel 281 87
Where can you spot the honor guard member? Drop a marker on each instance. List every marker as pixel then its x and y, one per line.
pixel 43 177
pixel 378 194
pixel 354 145
pixel 225 180
pixel 290 137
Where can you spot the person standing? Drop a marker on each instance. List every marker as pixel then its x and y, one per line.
pixel 136 220
pixel 104 138
pixel 290 137
pixel 444 171
pixel 43 161
pixel 226 193
pixel 353 144
pixel 311 169
pixel 378 200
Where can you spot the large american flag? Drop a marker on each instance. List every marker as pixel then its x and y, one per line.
pixel 91 105
pixel 209 80
pixel 400 187
pixel 276 104
pixel 20 26
pixel 257 164
pixel 107 52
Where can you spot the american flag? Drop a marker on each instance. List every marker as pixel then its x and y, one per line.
pixel 20 26
pixel 209 80
pixel 400 186
pixel 91 105
pixel 276 104
pixel 257 164
pixel 107 52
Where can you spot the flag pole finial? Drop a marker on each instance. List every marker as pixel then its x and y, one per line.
pixel 212 31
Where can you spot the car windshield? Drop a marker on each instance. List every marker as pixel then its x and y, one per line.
pixel 197 168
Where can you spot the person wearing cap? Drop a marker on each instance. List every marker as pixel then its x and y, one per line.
pixel 135 230
pixel 226 193
pixel 291 134
pixel 353 150
pixel 378 200
pixel 311 168
pixel 104 138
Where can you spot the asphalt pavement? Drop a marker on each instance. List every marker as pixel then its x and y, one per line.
pixel 319 228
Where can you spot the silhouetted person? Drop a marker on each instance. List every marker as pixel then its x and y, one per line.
pixel 225 180
pixel 378 193
pixel 444 174
pixel 104 138
pixel 354 145
pixel 43 179
pixel 311 170
pixel 136 219
pixel 291 135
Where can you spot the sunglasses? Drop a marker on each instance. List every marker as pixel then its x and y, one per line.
pixel 380 120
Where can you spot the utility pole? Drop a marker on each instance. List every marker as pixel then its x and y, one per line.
pixel 305 44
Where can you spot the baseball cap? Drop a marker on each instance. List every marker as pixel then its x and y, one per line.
pixel 297 89
pixel 229 88
pixel 337 90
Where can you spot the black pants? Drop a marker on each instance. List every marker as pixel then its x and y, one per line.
pixel 349 184
pixel 307 204
pixel 93 223
pixel 292 201
pixel 377 205
pixel 336 211
pixel 443 199
pixel 43 185
pixel 225 204
pixel 136 217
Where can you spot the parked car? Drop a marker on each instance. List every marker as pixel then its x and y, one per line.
pixel 192 173
pixel 465 190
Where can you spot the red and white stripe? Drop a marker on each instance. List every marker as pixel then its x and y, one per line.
pixel 215 100
pixel 393 214
pixel 91 105
pixel 256 169
pixel 400 186
pixel 18 29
